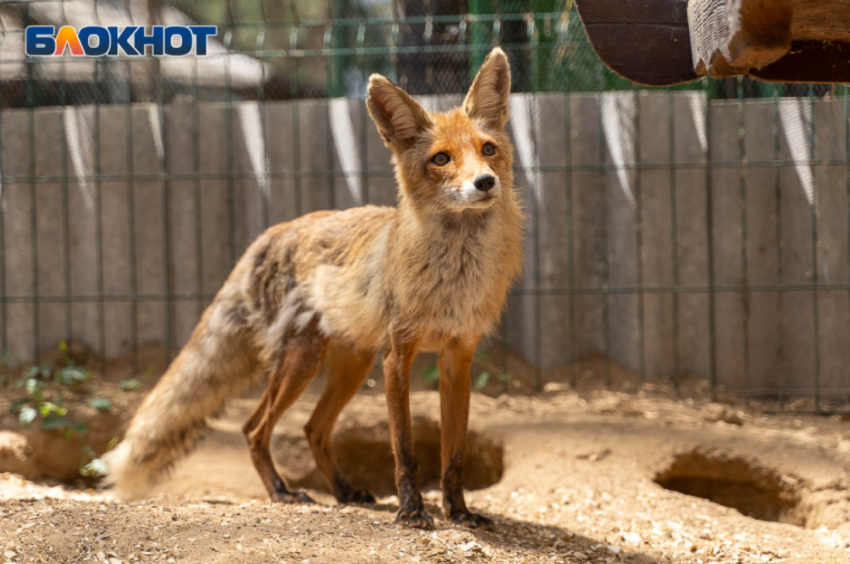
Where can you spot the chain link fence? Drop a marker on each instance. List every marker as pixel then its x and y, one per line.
pixel 696 231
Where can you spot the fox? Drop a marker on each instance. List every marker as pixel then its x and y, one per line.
pixel 341 287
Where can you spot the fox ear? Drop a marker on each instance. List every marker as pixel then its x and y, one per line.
pixel 487 99
pixel 400 119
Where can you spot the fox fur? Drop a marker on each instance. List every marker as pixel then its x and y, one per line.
pixel 431 274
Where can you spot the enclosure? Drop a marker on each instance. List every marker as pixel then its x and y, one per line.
pixel 669 381
pixel 693 231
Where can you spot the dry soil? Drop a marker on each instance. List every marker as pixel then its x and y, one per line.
pixel 568 476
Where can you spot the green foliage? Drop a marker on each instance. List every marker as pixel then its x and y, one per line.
pixel 431 374
pixel 96 466
pixel 72 375
pixel 43 391
pixel 4 368
pixel 130 384
pixel 54 421
pixel 47 409
pixel 39 381
pixel 482 360
pixel 27 414
pixel 482 380
pixel 485 377
pixel 101 404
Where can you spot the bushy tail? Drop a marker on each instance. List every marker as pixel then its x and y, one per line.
pixel 216 365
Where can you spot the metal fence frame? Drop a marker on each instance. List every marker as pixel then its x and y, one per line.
pixel 331 52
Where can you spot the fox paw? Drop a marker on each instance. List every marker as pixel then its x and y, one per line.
pixel 355 497
pixel 292 498
pixel 472 520
pixel 414 518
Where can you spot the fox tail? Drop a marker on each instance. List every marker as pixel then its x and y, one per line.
pixel 216 365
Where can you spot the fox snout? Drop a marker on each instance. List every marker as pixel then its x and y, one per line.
pixel 485 182
pixel 481 191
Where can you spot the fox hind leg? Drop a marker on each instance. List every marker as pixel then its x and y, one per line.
pixel 303 356
pixel 347 370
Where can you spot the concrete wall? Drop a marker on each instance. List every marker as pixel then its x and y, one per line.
pixel 120 223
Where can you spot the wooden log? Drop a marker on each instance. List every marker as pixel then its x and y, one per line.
pixel 821 20
pixel 728 37
pixel 664 42
pixel 673 12
pixel 810 61
pixel 738 37
pixel 645 41
pixel 759 31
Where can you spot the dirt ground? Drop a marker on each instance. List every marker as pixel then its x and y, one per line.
pixel 568 476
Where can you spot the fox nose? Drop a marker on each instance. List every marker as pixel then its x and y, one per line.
pixel 484 182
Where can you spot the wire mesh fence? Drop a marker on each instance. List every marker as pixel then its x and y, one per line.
pixel 700 230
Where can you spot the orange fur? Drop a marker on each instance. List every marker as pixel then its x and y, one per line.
pixel 431 274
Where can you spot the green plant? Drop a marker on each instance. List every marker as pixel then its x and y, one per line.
pixel 101 404
pixel 481 360
pixel 431 374
pixel 485 377
pixel 42 387
pixel 96 466
pixel 4 369
pixel 129 384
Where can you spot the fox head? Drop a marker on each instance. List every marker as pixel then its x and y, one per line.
pixel 451 161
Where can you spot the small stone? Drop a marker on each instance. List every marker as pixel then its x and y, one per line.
pixel 595 456
pixel 715 412
pixel 607 405
pixel 632 538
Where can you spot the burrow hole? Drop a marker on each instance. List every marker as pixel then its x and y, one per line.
pixel 734 482
pixel 365 455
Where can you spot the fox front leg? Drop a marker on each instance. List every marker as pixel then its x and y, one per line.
pixel 397 362
pixel 454 364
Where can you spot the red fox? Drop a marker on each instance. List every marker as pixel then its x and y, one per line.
pixel 431 274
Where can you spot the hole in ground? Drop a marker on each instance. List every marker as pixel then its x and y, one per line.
pixel 366 457
pixel 753 490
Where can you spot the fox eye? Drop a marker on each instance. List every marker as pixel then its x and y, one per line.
pixel 440 159
pixel 489 150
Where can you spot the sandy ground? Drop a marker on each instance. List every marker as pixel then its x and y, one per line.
pixel 578 485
